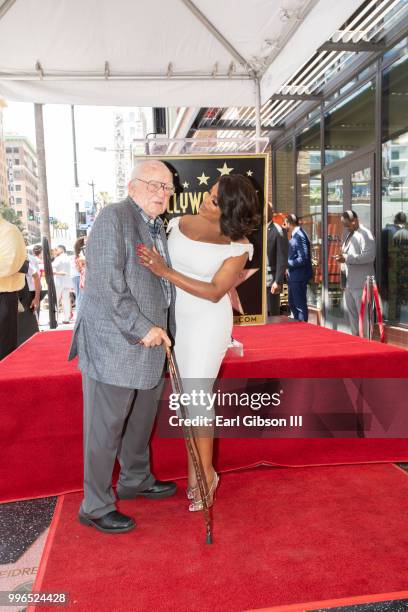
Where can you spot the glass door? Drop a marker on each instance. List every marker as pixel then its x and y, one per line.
pixel 348 186
pixel 334 292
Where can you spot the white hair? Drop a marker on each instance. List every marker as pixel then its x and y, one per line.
pixel 142 167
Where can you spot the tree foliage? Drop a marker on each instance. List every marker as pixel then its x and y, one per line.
pixel 10 215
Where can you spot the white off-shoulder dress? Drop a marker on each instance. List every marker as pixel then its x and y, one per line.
pixel 203 328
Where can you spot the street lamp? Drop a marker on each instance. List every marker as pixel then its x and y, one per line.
pixel 92 184
pixel 106 150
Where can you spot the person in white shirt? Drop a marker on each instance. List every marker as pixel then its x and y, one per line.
pixel 357 262
pixel 33 283
pixel 62 278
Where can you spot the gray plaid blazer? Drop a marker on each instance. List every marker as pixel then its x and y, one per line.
pixel 122 301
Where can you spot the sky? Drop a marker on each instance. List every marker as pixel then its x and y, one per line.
pixel 94 128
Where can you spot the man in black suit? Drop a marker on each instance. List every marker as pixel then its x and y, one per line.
pixel 277 255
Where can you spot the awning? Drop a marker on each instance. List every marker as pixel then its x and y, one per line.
pixel 158 52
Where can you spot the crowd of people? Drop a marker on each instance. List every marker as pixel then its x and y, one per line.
pixel 68 274
pixel 23 285
pixel 290 260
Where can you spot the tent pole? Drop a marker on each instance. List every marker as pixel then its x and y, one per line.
pixel 6 6
pixel 257 113
pixel 42 173
pixel 216 33
pixel 74 150
pixel 74 146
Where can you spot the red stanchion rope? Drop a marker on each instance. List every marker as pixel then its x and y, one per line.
pixel 378 309
pixel 362 309
pixel 379 313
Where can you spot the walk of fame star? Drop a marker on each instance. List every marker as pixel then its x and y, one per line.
pixel 225 169
pixel 203 179
pixel 233 293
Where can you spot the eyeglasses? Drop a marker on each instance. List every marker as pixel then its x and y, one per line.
pixel 154 186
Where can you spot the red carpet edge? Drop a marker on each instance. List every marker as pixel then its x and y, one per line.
pixel 334 603
pixel 250 466
pixel 297 607
pixel 47 548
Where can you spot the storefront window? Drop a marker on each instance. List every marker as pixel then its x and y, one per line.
pixel 400 47
pixel 361 195
pixel 351 124
pixel 394 238
pixel 284 164
pixel 394 100
pixel 309 202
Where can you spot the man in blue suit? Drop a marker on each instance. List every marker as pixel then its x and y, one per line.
pixel 299 267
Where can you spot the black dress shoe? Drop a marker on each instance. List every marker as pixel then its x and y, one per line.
pixel 113 522
pixel 158 490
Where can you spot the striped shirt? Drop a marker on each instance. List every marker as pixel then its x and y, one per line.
pixel 154 227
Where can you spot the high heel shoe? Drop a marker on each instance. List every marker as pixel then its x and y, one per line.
pixel 198 504
pixel 190 492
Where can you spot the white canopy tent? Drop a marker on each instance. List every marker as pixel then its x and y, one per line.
pixel 159 52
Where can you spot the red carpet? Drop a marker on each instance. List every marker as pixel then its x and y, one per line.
pixel 302 350
pixel 281 536
pixel 41 408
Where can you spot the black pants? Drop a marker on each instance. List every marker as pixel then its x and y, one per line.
pixel 273 302
pixel 8 322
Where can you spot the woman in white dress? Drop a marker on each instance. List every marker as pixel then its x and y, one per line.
pixel 207 251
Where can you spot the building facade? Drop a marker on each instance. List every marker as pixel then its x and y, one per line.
pixel 129 125
pixel 351 152
pixel 22 179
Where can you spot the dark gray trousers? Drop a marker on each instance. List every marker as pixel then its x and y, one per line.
pixel 118 422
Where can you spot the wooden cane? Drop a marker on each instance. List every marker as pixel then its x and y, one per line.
pixel 191 445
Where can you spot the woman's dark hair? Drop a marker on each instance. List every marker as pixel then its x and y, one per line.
pixel 239 206
pixel 79 245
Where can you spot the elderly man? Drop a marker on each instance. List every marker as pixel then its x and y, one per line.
pixel 13 254
pixel 120 337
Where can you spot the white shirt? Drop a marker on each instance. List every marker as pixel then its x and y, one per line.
pixel 62 264
pixel 32 269
pixel 74 269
